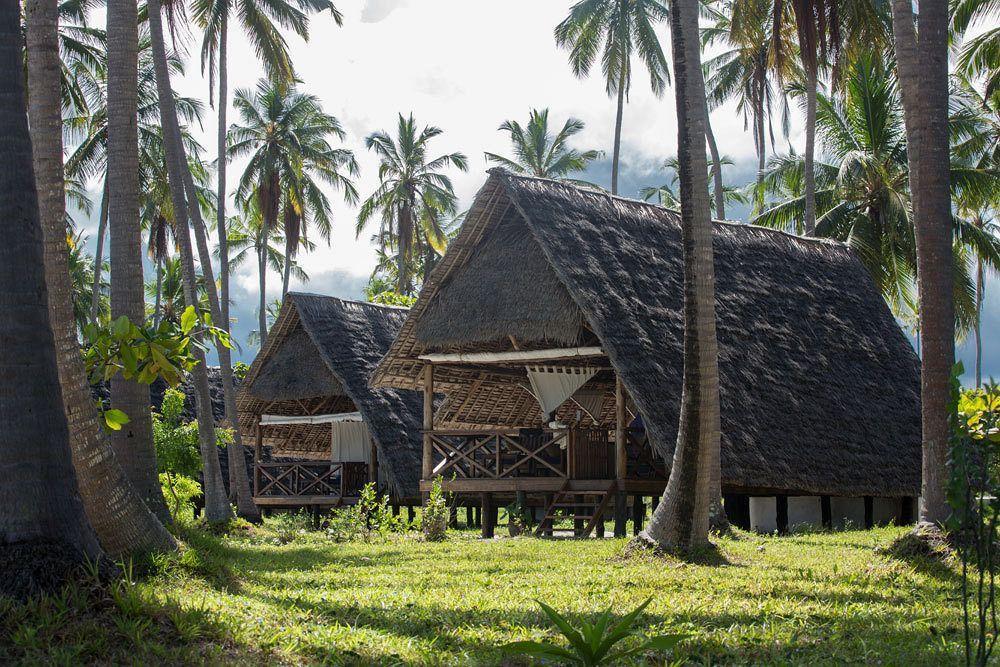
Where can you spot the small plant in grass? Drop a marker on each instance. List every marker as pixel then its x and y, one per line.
pixel 594 643
pixel 518 518
pixel 436 513
pixel 371 519
pixel 288 526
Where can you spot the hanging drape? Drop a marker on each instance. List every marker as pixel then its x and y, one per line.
pixel 351 441
pixel 591 401
pixel 552 385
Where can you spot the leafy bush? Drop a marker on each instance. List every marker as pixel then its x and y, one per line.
pixel 974 496
pixel 240 370
pixel 436 513
pixel 591 644
pixel 288 526
pixel 181 491
pixel 369 520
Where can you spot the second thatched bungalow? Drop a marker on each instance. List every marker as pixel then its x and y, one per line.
pixel 554 328
pixel 307 400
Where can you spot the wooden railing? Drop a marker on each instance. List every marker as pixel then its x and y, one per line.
pixel 309 478
pixel 500 454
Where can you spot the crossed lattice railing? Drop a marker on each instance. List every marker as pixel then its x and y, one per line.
pixel 499 454
pixel 309 478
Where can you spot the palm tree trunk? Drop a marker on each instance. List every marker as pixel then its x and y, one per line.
pixel 239 483
pixel 221 175
pixel 720 194
pixel 122 522
pixel 44 533
pixel 158 304
pixel 133 444
pixel 102 226
pixel 979 323
pixel 262 277
pixel 923 82
pixel 618 132
pixel 286 273
pixel 216 504
pixel 681 520
pixel 810 175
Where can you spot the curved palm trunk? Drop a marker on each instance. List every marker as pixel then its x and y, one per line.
pixel 979 323
pixel 239 483
pixel 286 273
pixel 216 504
pixel 618 133
pixel 682 518
pixel 262 279
pixel 158 304
pixel 123 523
pixel 221 175
pixel 44 533
pixel 133 444
pixel 809 223
pixel 102 226
pixel 923 82
pixel 720 194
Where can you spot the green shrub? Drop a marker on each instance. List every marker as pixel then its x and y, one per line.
pixel 371 519
pixel 180 492
pixel 436 513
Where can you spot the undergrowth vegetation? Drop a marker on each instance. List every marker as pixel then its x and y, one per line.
pixel 284 593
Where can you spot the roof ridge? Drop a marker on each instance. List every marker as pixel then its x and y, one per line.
pixel 358 302
pixel 502 172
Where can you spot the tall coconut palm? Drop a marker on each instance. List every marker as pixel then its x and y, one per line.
pixel 746 69
pixel 980 56
pixel 41 518
pixel 540 153
pixel 863 190
pixel 682 519
pixel 216 503
pixel 133 443
pixel 81 272
pixel 259 21
pixel 615 30
pixel 412 195
pixel 666 194
pixel 285 134
pixel 922 62
pixel 121 519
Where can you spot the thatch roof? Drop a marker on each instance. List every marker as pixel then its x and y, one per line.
pixel 819 386
pixel 317 359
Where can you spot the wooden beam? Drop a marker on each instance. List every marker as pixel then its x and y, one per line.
pixel 257 451
pixel 373 463
pixel 428 460
pixel 621 453
pixel 515 356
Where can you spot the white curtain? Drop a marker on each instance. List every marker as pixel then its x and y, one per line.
pixel 266 420
pixel 351 441
pixel 552 385
pixel 591 400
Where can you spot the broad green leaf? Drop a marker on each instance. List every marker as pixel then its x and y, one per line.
pixel 115 419
pixel 188 319
pixel 566 629
pixel 538 649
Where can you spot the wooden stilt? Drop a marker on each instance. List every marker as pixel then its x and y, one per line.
pixel 469 518
pixel 869 512
pixel 826 512
pixel 638 514
pixel 905 517
pixel 410 513
pixel 427 467
pixel 781 505
pixel 477 519
pixel 489 516
pixel 621 514
pixel 453 518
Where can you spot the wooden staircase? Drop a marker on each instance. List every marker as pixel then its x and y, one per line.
pixel 581 506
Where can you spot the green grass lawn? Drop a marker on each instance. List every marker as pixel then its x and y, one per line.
pixel 820 598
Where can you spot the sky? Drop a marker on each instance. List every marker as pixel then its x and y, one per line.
pixel 464 66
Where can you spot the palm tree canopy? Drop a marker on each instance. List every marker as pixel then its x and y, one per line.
pixel 540 153
pixel 613 30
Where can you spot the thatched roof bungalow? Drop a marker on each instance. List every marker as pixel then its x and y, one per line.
pixel 307 397
pixel 819 386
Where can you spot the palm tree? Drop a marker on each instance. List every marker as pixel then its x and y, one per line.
pixel 81 272
pixel 133 443
pixel 980 56
pixel 863 192
pixel 42 512
pixel 666 194
pixel 217 507
pixel 257 19
pixel 538 153
pixel 922 62
pixel 746 70
pixel 693 493
pixel 123 523
pixel 412 196
pixel 615 30
pixel 285 134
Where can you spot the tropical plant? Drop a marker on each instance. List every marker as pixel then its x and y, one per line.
pixel 285 134
pixel 692 500
pixel 537 152
pixel 413 197
pixel 435 514
pixel 979 57
pixel 81 271
pixel 42 513
pixel 864 190
pixel 615 30
pixel 594 643
pixel 974 498
pixel 667 195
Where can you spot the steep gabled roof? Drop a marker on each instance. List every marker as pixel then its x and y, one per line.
pixel 819 386
pixel 348 338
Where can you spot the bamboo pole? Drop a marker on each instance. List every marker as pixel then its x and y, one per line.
pixel 428 461
pixel 621 454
